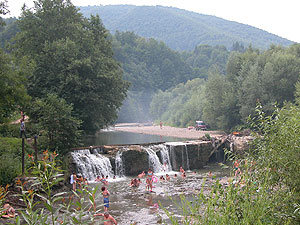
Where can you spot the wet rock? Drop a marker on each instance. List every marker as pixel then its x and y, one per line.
pixel 239 143
pixel 136 162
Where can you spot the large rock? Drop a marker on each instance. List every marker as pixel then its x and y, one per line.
pixel 239 144
pixel 135 161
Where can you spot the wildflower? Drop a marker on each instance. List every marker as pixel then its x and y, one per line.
pixel 30 156
pixel 30 192
pixel 18 182
pixel 54 154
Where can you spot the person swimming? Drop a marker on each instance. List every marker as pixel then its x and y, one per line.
pixel 108 219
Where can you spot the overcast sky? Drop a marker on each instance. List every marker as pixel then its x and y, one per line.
pixel 275 16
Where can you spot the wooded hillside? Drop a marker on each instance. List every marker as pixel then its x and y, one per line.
pixel 181 29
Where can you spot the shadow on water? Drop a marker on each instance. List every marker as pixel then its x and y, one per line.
pixel 112 137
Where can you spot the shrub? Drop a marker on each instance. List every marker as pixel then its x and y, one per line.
pixel 10 163
pixel 10 130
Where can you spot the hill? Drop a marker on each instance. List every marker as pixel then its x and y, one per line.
pixel 181 29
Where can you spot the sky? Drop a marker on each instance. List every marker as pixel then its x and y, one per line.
pixel 275 16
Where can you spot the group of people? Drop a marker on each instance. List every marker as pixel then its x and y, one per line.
pixel 103 179
pixel 150 178
pixel 135 182
pixel 77 180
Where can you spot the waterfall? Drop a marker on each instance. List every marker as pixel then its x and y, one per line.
pixel 164 152
pixel 90 165
pixel 120 170
pixel 173 158
pixel 154 162
pixel 187 158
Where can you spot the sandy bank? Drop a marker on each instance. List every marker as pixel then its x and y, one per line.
pixel 167 131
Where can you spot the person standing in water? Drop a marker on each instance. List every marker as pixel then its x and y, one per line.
pixel 149 180
pixel 105 194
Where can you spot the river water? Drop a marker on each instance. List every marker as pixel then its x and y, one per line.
pixel 112 137
pixel 130 205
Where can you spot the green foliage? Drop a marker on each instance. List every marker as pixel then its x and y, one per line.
pixel 245 199
pixel 74 60
pixel 10 163
pixel 277 151
pixel 10 130
pixel 53 119
pixel 181 29
pixel 13 94
pixel 8 31
pixel 149 64
pixel 252 76
pixel 205 58
pixel 56 207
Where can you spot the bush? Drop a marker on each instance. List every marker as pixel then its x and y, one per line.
pixel 10 130
pixel 10 163
pixel 10 168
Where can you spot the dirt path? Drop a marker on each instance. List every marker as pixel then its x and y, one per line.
pixel 167 131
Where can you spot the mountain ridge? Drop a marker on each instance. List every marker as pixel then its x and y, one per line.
pixel 181 29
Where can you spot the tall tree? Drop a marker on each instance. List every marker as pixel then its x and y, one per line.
pixel 74 59
pixel 59 130
pixel 13 79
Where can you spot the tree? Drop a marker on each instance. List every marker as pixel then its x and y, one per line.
pixel 13 79
pixel 53 118
pixel 74 60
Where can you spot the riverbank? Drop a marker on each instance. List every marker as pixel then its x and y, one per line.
pixel 168 131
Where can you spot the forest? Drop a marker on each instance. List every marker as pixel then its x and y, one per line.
pixel 57 68
pixel 181 29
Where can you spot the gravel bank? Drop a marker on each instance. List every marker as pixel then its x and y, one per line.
pixel 168 131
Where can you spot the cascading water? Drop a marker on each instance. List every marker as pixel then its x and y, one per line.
pixel 172 157
pixel 154 162
pixel 164 152
pixel 120 170
pixel 92 165
pixel 187 158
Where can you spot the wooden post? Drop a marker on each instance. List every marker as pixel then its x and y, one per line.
pixel 23 157
pixel 35 150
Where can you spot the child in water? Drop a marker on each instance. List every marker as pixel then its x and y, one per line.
pixel 149 180
pixel 105 194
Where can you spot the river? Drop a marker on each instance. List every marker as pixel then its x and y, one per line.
pixel 130 205
pixel 113 137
